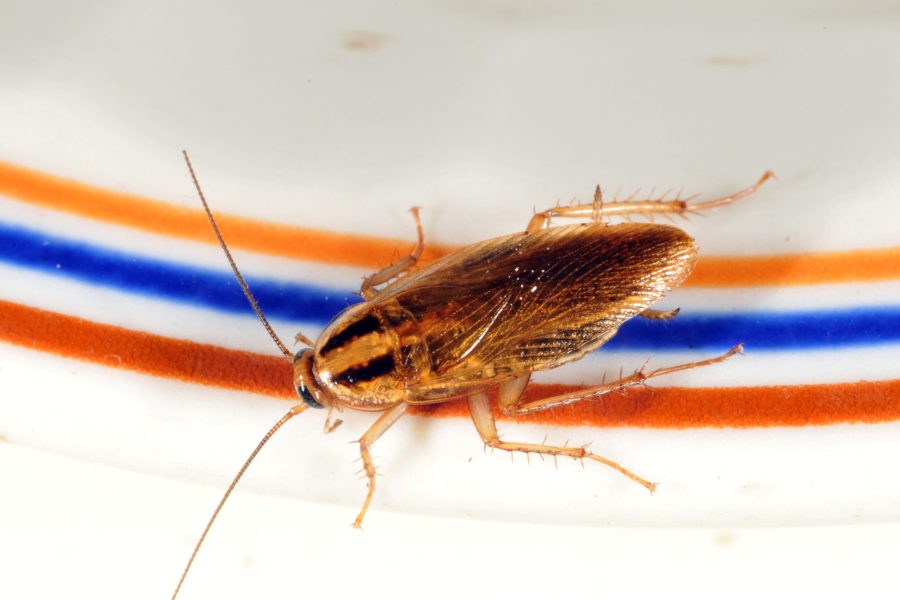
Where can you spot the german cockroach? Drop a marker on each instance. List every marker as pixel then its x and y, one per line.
pixel 490 314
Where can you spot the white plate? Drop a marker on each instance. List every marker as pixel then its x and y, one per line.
pixel 478 112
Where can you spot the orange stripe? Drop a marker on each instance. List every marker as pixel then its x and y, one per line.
pixel 143 352
pixel 85 200
pixel 163 218
pixel 798 269
pixel 868 402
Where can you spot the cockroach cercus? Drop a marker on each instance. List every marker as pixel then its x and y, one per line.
pixel 489 315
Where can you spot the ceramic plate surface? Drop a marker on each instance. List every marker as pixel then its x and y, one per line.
pixel 134 379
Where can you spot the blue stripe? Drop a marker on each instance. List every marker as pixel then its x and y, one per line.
pixel 763 330
pixel 197 286
pixel 217 290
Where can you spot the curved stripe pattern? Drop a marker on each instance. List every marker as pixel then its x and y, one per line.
pixel 145 214
pixel 217 290
pixel 762 406
pixel 206 288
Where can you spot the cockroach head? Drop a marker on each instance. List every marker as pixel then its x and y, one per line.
pixel 305 382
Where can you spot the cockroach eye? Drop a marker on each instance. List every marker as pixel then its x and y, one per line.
pixel 302 389
pixel 307 397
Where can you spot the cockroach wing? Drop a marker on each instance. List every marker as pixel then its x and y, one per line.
pixel 504 307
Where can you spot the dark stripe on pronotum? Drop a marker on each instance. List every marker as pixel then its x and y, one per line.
pixel 366 325
pixel 367 372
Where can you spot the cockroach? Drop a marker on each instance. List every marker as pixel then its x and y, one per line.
pixel 489 315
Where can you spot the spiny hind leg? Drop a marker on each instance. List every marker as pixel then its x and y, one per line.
pixel 368 291
pixel 480 409
pixel 515 407
pixel 599 210
pixel 374 432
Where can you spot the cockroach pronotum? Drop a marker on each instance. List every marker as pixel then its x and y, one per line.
pixel 489 315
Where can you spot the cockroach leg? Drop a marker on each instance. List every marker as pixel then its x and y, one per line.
pixel 300 338
pixel 330 425
pixel 517 407
pixel 374 432
pixel 660 315
pixel 598 211
pixel 509 392
pixel 480 409
pixel 368 291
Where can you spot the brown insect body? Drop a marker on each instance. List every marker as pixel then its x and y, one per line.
pixel 490 314
pixel 497 309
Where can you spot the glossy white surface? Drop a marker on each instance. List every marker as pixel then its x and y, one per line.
pixel 132 540
pixel 478 112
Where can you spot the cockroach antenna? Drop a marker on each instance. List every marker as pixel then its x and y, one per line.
pixel 296 410
pixel 237 273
